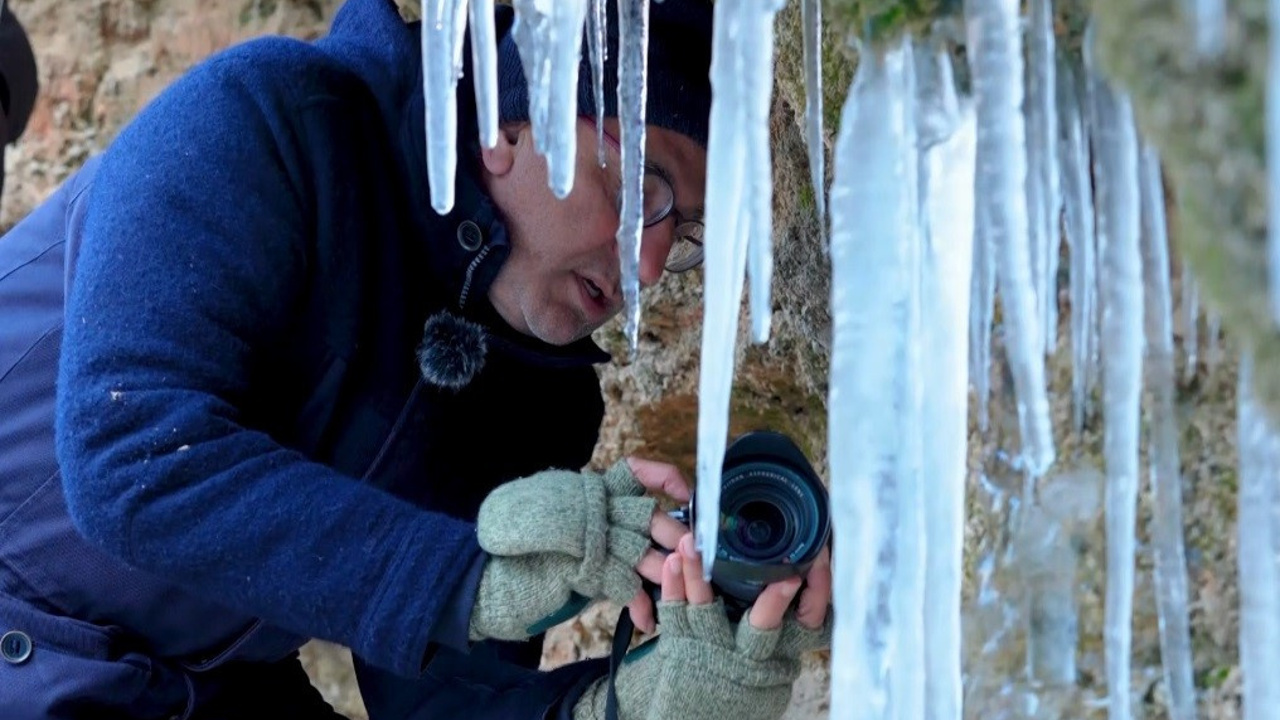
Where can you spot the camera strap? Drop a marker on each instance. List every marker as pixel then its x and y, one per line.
pixel 621 641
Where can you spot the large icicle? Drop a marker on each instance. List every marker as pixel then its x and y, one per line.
pixel 948 137
pixel 484 69
pixel 1077 186
pixel 443 24
pixel 548 36
pixel 1121 373
pixel 996 63
pixel 1043 172
pixel 811 19
pixel 725 267
pixel 1163 462
pixel 1257 527
pixel 756 51
pixel 598 48
pixel 872 216
pixel 633 51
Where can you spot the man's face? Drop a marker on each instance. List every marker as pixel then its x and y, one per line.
pixel 563 278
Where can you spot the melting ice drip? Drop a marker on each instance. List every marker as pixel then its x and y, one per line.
pixel 942 205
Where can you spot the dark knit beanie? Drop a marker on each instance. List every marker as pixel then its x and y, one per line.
pixel 679 71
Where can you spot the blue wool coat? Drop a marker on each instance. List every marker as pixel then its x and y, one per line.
pixel 241 453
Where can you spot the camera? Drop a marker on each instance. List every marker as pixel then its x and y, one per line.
pixel 774 518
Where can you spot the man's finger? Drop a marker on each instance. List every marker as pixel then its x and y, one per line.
pixel 660 476
pixel 650 566
pixel 696 589
pixel 771 606
pixel 816 596
pixel 642 612
pixel 666 530
pixel 673 578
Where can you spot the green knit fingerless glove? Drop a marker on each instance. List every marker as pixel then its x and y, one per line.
pixel 556 540
pixel 704 669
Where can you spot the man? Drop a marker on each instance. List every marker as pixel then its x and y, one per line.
pixel 17 81
pixel 294 402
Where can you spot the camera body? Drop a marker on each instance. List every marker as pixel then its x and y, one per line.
pixel 774 518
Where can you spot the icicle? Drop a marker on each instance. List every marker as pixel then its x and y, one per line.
pixel 811 19
pixel 1163 457
pixel 441 31
pixel 1190 323
pixel 982 312
pixel 1078 203
pixel 560 137
pixel 1273 152
pixel 597 26
pixel 484 68
pixel 1042 146
pixel 1213 349
pixel 872 217
pixel 725 266
pixel 1257 528
pixel 946 192
pixel 1209 21
pixel 1122 373
pixel 1001 187
pixel 633 49
pixel 756 48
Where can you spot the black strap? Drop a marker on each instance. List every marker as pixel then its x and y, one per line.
pixel 621 641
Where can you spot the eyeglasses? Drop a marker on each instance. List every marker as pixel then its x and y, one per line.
pixel 659 199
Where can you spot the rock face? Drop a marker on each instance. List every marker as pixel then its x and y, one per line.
pixel 100 60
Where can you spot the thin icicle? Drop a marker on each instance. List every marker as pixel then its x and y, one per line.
pixel 724 271
pixel 1001 187
pixel 559 140
pixel 1209 21
pixel 443 23
pixel 633 51
pixel 484 69
pixel 1077 187
pixel 1213 343
pixel 1121 374
pixel 1042 146
pixel 756 51
pixel 597 27
pixel 946 189
pixel 1256 525
pixel 1163 462
pixel 870 209
pixel 1273 152
pixel 811 19
pixel 1190 323
pixel 982 312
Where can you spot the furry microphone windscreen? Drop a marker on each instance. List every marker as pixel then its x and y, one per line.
pixel 452 351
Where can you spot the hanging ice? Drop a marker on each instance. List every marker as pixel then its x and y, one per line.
pixel 1077 184
pixel 811 19
pixel 1209 19
pixel 1190 322
pixel 982 312
pixel 996 64
pixel 633 49
pixel 443 24
pixel 725 265
pixel 1121 372
pixel 598 47
pixel 757 63
pixel 1163 458
pixel 1213 343
pixel 1256 523
pixel 484 68
pixel 872 218
pixel 739 209
pixel 948 137
pixel 1043 199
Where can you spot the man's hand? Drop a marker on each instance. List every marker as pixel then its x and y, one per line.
pixel 559 539
pixel 701 667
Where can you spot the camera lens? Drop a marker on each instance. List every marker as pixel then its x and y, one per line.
pixel 767 515
pixel 760 528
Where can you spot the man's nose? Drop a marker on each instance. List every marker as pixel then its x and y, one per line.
pixel 655 246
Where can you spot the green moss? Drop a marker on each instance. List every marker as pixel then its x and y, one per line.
pixel 880 22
